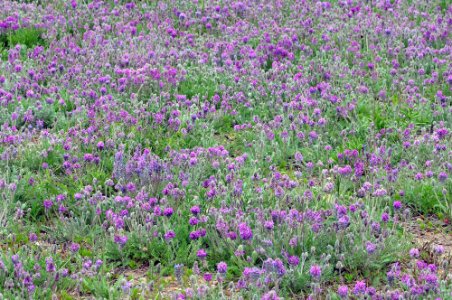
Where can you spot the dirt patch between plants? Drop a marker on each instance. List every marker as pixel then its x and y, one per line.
pixel 426 238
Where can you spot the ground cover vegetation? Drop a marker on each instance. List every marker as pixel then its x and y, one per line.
pixel 221 149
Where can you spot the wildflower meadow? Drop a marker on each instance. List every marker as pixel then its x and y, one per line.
pixel 223 149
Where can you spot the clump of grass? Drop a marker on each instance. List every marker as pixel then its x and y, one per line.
pixel 28 36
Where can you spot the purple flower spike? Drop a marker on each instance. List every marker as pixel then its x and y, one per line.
pixel 315 271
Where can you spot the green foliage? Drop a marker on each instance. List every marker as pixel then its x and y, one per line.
pixel 100 288
pixel 422 196
pixel 198 85
pixel 30 37
pixel 224 124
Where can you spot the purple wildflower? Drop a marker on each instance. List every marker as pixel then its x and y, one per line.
pixel 342 291
pixel 222 267
pixel 245 231
pixel 360 288
pixel 315 271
